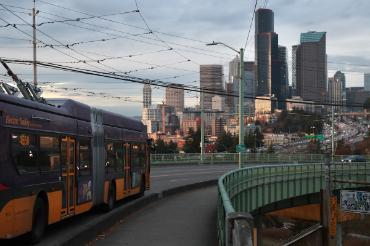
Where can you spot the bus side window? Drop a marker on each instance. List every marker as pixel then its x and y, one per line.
pixel 119 156
pixel 24 152
pixel 49 154
pixel 85 157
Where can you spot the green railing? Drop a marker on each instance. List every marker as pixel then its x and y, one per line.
pixel 248 158
pixel 242 192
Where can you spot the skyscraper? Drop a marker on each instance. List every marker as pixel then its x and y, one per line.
pixel 283 85
pixel 249 84
pixel 342 78
pixel 311 67
pixel 266 53
pixel 335 92
pixel 367 81
pixel 147 96
pixel 175 97
pixel 294 69
pixel 211 77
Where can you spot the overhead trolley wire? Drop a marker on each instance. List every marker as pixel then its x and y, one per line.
pixel 169 84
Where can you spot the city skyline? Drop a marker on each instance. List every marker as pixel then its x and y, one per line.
pixel 287 25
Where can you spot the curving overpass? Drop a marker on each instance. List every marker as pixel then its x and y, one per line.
pixel 247 193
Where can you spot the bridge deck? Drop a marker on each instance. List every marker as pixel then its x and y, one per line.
pixel 186 219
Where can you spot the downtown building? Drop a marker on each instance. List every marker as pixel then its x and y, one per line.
pixel 249 86
pixel 211 80
pixel 283 86
pixel 336 94
pixel 175 97
pixel 311 67
pixel 147 96
pixel 367 81
pixel 266 55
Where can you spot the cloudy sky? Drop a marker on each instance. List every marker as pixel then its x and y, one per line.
pixel 176 46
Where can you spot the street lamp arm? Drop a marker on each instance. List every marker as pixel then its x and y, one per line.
pixel 217 43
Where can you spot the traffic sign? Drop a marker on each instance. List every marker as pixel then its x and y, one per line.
pixel 319 137
pixel 240 148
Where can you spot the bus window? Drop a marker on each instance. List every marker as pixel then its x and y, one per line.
pixel 119 154
pixel 85 157
pixel 114 160
pixel 138 155
pixel 49 154
pixel 24 152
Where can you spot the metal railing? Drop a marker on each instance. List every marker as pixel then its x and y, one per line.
pixel 243 191
pixel 248 158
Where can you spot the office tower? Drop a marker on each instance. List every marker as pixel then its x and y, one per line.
pixel 218 103
pixel 147 96
pixel 175 97
pixel 250 87
pixel 249 84
pixel 283 86
pixel 311 67
pixel 342 78
pixel 266 53
pixel 294 69
pixel 211 81
pixel 335 92
pixel 356 96
pixel 229 107
pixel 367 81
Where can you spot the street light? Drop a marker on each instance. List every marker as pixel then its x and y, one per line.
pixel 241 97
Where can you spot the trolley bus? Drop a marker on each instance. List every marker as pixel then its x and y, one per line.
pixel 60 160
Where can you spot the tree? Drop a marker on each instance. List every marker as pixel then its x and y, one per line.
pixel 270 149
pixel 226 142
pixel 162 147
pixel 259 137
pixel 192 141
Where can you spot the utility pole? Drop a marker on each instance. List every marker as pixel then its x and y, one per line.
pixel 241 145
pixel 34 43
pixel 332 134
pixel 241 106
pixel 201 125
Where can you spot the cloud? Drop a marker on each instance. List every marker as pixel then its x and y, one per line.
pixel 345 22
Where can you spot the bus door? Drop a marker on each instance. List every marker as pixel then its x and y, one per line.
pixel 68 147
pixel 127 167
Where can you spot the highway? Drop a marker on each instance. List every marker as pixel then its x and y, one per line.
pixel 163 178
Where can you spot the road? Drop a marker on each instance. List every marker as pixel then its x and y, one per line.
pixel 163 177
pixel 181 220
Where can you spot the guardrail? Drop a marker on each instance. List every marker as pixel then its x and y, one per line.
pixel 242 192
pixel 248 158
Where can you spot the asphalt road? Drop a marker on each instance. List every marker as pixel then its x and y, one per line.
pixel 185 219
pixel 165 177
pixel 162 178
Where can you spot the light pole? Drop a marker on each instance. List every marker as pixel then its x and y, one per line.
pixel 241 99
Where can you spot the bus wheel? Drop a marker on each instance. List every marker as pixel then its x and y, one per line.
pixel 39 221
pixel 111 198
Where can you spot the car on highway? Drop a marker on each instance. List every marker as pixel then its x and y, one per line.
pixel 354 158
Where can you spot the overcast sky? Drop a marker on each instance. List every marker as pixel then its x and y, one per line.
pixel 190 24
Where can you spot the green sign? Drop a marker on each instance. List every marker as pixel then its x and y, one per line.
pixel 240 148
pixel 320 137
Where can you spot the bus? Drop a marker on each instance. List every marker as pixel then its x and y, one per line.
pixel 61 158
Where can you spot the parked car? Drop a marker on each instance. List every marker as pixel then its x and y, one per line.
pixel 354 158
